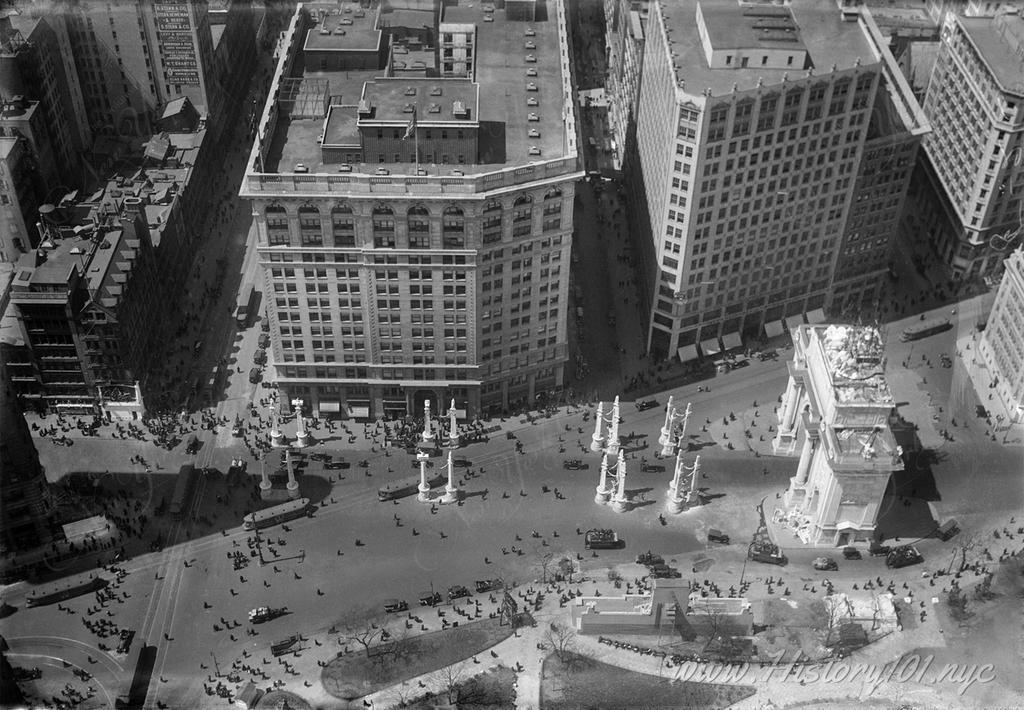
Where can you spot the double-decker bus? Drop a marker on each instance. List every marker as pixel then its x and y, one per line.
pixel 276 514
pixel 183 489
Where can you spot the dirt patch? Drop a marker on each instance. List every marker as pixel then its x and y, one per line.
pixel 581 682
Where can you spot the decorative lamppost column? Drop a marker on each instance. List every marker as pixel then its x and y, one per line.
pixel 265 484
pixel 301 434
pixel 453 428
pixel 451 493
pixel 293 485
pixel 666 430
pixel 424 487
pixel 597 440
pixel 612 444
pixel 603 491
pixel 276 436
pixel 671 434
pixel 620 503
pixel 674 504
pixel 428 431
pixel 692 497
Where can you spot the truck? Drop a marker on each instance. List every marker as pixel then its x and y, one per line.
pixel 265 613
pixel 245 305
pixel 601 539
pixel 766 552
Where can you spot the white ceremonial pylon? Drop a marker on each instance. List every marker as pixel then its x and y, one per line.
pixel 453 428
pixel 620 503
pixel 692 496
pixel 424 487
pixel 674 504
pixel 451 493
pixel 293 485
pixel 276 437
pixel 603 491
pixel 612 444
pixel 265 484
pixel 597 440
pixel 301 434
pixel 428 432
pixel 665 439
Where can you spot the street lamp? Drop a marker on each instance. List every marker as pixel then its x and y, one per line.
pixel 671 435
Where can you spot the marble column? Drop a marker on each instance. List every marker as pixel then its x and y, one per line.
pixel 293 485
pixel 451 493
pixel 265 484
pixel 424 487
pixel 665 439
pixel 804 467
pixel 603 492
pixel 597 439
pixel 620 503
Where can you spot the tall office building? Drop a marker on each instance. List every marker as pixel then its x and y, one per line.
pixel 751 132
pixel 415 229
pixel 19 198
pixel 26 510
pixel 134 58
pixel 975 103
pixel 624 44
pixel 1002 345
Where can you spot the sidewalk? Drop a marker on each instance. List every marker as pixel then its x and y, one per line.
pixel 981 377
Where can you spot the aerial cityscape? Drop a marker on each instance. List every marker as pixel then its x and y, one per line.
pixel 512 354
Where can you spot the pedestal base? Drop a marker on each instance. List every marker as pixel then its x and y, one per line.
pixel 666 437
pixel 596 443
pixel 276 438
pixel 302 439
pixel 293 489
pixel 454 443
pixel 424 494
pixel 602 495
pixel 667 450
pixel 265 488
pixel 674 505
pixel 451 495
pixel 620 505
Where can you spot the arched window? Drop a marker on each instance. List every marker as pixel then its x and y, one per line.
pixel 552 202
pixel 522 216
pixel 492 222
pixel 453 228
pixel 310 230
pixel 554 193
pixel 277 225
pixel 418 221
pixel 343 226
pixel 383 227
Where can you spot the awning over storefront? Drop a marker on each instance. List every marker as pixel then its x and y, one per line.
pixel 710 347
pixel 359 412
pixel 330 406
pixel 687 352
pixel 816 316
pixel 773 328
pixel 793 321
pixel 731 341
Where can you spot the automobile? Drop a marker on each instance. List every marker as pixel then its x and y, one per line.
pixel 663 571
pixel 457 591
pixel 903 556
pixel 255 375
pixel 652 468
pixel 462 463
pixel 947 530
pixel 236 430
pixel 602 539
pixel 716 535
pixel 125 642
pixel 877 549
pixel 767 355
pixel 263 341
pixel 486 585
pixel 336 465
pixel 319 456
pixel 392 606
pixel 767 553
pixel 575 465
pixel 851 553
pixel 265 613
pixel 645 404
pixel 825 563
pixel 260 357
pixel 279 648
pixel 192 447
pixel 430 598
pixel 649 558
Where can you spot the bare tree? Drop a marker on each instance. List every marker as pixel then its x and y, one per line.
pixel 357 625
pixel 545 561
pixel 450 678
pixel 965 543
pixel 562 639
pixel 836 609
pixel 716 621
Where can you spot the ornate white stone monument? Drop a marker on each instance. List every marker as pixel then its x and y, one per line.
pixel 451 493
pixel 301 433
pixel 597 440
pixel 424 488
pixel 453 428
pixel 293 485
pixel 620 503
pixel 603 491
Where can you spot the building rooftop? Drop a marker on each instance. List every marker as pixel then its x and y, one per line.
pixel 343 26
pixel 732 26
pixel 519 99
pixel 434 100
pixel 1000 41
pixel 820 30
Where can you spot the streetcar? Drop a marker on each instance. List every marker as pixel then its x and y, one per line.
pixel 276 514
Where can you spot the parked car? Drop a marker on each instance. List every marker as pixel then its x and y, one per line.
pixel 652 468
pixel 663 571
pixel 851 553
pixel 825 563
pixel 903 556
pixel 430 598
pixel 649 558
pixel 125 641
pixel 334 465
pixel 645 404
pixel 260 357
pixel 319 456
pixel 878 549
pixel 716 535
pixel 575 465
pixel 462 463
pixel 263 341
pixel 486 585
pixel 395 605
pixel 947 530
pixel 255 375
pixel 457 591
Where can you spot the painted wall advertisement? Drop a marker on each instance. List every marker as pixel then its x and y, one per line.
pixel 177 49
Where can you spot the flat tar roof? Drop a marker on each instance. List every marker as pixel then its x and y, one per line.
pixel 434 99
pixel 731 26
pixel 827 39
pixel 351 28
pixel 992 42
